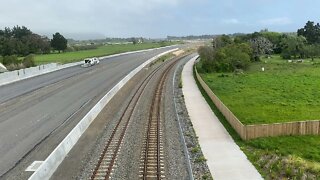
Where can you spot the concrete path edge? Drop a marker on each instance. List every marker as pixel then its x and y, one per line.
pixel 225 159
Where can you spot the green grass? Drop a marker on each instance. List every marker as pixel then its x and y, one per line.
pixel 287 157
pixel 284 92
pixel 278 59
pixel 306 147
pixel 200 159
pixel 101 51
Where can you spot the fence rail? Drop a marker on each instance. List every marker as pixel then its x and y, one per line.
pixel 247 132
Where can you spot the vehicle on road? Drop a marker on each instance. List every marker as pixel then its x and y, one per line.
pixel 90 62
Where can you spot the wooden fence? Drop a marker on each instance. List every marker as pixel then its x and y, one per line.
pixel 247 132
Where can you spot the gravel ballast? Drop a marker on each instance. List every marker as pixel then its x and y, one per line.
pixel 199 166
pixel 83 158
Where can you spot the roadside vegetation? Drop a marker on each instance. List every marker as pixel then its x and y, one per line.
pixel 279 84
pixel 232 53
pixel 283 92
pixel 286 157
pixel 19 44
pixel 21 48
pixel 103 50
pixel 257 84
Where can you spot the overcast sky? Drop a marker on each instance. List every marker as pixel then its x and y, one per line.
pixel 81 19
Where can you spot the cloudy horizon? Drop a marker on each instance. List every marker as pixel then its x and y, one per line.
pixel 84 19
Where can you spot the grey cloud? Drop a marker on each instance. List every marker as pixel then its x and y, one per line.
pixel 107 17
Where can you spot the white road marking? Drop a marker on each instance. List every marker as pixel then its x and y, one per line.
pixel 34 166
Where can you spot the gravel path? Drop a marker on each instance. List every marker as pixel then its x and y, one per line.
pixel 198 163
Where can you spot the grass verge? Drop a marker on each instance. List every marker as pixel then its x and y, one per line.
pixel 290 157
pixel 284 92
pixel 68 57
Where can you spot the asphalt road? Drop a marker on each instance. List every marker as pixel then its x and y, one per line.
pixel 30 110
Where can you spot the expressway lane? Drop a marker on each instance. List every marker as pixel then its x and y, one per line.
pixel 33 109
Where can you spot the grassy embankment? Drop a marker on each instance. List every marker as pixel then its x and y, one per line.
pixel 68 57
pixel 284 92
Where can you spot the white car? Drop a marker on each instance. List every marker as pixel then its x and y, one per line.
pixel 96 60
pixel 90 62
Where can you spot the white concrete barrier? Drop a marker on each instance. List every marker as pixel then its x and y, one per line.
pixel 14 76
pixel 2 68
pixel 48 167
pixel 21 74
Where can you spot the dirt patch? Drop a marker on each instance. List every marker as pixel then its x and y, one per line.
pixel 179 52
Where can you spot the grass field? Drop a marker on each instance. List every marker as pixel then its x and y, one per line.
pixel 284 92
pixel 287 157
pixel 101 51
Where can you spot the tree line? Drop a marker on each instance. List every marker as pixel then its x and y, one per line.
pixel 22 42
pixel 230 53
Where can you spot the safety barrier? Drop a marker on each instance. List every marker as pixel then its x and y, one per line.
pixel 14 76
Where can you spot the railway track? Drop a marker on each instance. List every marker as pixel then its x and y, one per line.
pixel 152 158
pixel 107 160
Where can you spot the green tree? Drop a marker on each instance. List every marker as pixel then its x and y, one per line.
pixel 235 57
pixel 311 32
pixel 275 39
pixel 21 41
pixel 293 46
pixel 312 51
pixel 45 45
pixel 221 41
pixel 134 41
pixel 58 42
pixel 19 32
pixel 8 46
pixel 261 46
pixel 226 59
pixel 206 54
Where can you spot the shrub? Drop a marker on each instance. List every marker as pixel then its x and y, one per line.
pixel 207 59
pixel 206 176
pixel 285 55
pixel 70 49
pixel 195 149
pixel 12 67
pixel 180 83
pixel 226 59
pixel 83 47
pixel 7 60
pixel 28 61
pixel 200 159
